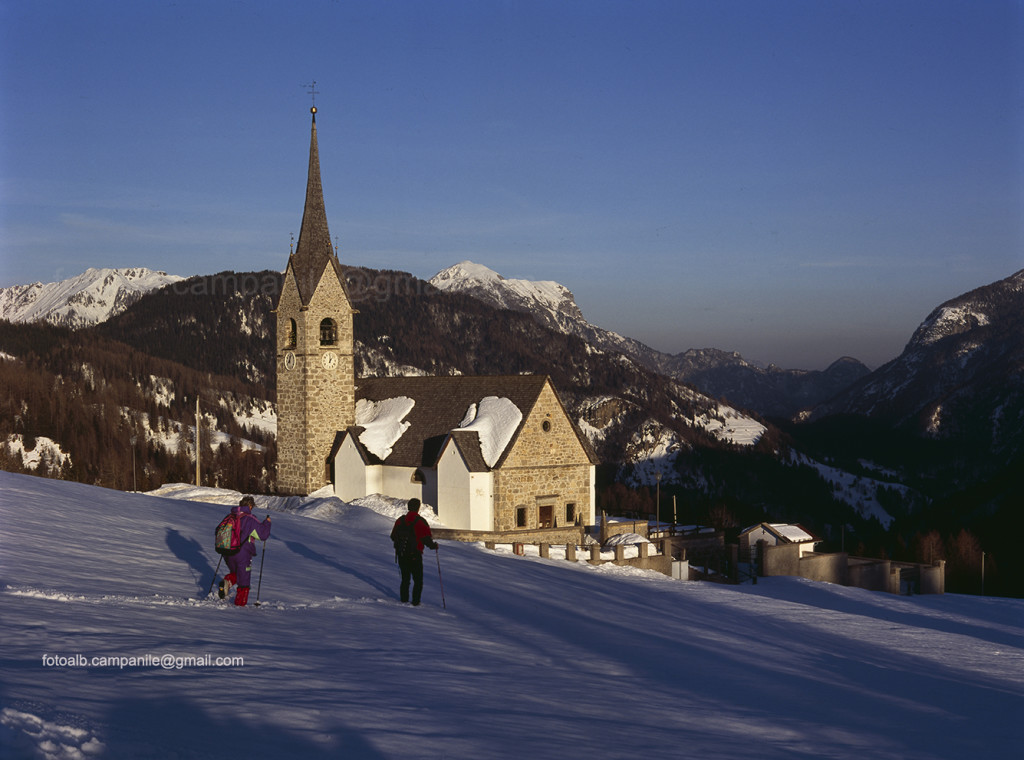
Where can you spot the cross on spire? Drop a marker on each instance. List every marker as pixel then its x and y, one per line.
pixel 313 92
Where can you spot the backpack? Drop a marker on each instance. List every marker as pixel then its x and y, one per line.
pixel 404 537
pixel 228 539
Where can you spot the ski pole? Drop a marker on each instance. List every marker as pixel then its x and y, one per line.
pixel 210 590
pixel 259 585
pixel 437 554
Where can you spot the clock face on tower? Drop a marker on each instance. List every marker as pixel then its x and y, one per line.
pixel 330 360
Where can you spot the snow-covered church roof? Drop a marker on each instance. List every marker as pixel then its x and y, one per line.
pixel 405 421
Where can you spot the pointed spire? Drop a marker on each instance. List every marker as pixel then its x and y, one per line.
pixel 313 252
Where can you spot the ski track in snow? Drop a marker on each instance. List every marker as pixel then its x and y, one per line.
pixel 159 600
pixel 528 657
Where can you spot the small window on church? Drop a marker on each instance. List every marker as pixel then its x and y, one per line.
pixel 546 426
pixel 418 477
pixel 521 517
pixel 292 339
pixel 328 332
pixel 570 514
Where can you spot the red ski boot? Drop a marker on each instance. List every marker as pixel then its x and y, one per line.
pixel 241 596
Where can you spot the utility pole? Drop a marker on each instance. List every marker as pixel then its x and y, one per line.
pixel 657 500
pixel 134 485
pixel 197 440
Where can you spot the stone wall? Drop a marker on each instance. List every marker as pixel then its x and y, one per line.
pixel 827 568
pixel 698 543
pixel 859 572
pixel 648 555
pixel 291 407
pixel 783 559
pixel 564 535
pixel 873 575
pixel 933 578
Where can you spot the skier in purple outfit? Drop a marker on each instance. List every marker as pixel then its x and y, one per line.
pixel 240 564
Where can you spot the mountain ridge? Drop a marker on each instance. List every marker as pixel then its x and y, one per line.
pixel 968 349
pixel 87 299
pixel 771 391
pixel 97 295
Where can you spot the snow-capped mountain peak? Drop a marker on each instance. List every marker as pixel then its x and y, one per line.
pixel 521 295
pixel 549 303
pixel 968 312
pixel 92 297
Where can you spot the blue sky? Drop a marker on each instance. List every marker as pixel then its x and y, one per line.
pixel 796 181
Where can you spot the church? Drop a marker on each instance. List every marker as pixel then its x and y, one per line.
pixel 488 453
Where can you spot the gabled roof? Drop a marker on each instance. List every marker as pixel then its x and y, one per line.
pixel 440 407
pixel 313 252
pixel 468 444
pixel 352 433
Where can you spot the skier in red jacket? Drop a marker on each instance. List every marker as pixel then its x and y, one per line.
pixel 409 535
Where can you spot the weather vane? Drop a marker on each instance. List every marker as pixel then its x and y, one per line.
pixel 313 92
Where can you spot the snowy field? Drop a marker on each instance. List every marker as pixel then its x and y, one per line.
pixel 110 648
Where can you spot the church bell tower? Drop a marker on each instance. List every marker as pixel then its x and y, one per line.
pixel 315 355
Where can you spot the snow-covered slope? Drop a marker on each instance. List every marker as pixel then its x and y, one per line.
pixel 92 297
pixel 530 657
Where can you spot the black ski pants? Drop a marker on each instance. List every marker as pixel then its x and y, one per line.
pixel 412 569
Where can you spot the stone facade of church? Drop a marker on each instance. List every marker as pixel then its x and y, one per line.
pixel 547 478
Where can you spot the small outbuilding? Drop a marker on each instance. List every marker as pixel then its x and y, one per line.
pixel 774 534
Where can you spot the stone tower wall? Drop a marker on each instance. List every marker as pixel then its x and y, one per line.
pixel 291 407
pixel 314 401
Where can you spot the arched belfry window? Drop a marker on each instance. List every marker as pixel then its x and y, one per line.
pixel 328 332
pixel 292 338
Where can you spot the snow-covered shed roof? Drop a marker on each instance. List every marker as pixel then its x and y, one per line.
pixel 456 406
pixel 793 533
pixel 786 532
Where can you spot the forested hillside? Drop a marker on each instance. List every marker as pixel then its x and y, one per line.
pixel 104 413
